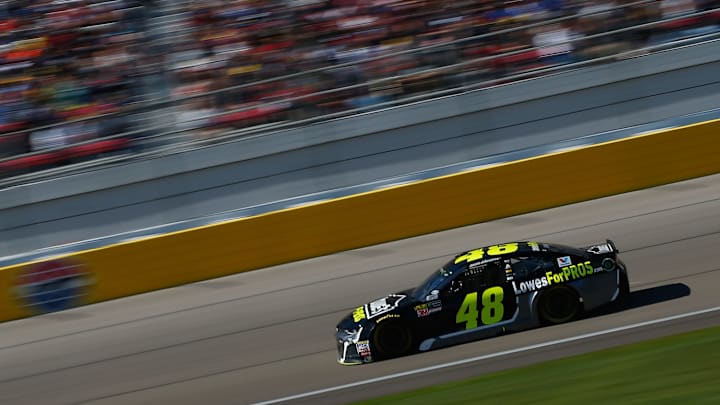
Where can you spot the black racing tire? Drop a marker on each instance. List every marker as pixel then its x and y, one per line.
pixel 391 339
pixel 558 305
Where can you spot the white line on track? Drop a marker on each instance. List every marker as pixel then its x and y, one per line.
pixel 487 356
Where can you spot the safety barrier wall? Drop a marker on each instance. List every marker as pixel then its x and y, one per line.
pixel 360 220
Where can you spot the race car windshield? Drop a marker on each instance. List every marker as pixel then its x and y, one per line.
pixel 438 279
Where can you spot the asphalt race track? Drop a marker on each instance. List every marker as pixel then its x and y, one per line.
pixel 268 335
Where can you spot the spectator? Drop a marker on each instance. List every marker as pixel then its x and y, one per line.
pixel 63 61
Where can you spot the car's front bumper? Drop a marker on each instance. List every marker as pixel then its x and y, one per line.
pixel 350 349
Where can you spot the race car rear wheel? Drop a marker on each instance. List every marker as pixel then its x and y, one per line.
pixel 559 305
pixel 391 339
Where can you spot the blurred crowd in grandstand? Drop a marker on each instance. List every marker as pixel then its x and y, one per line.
pixel 146 67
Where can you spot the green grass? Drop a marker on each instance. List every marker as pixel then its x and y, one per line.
pixel 681 369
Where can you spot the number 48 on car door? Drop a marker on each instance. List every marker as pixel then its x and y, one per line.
pixel 488 298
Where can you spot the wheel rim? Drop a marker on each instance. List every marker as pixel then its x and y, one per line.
pixel 559 306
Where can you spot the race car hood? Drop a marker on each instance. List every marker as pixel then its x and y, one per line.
pixel 375 309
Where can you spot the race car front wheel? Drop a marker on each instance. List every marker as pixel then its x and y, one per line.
pixel 392 339
pixel 558 305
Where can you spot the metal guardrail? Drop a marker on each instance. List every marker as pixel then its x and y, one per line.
pixel 361 188
pixel 264 130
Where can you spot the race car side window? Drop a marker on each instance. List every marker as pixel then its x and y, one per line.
pixel 521 266
pixel 477 276
pixel 492 274
pixel 531 266
pixel 464 283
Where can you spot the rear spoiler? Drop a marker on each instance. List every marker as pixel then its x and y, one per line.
pixel 612 245
pixel 603 248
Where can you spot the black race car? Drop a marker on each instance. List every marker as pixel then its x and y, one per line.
pixel 482 293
